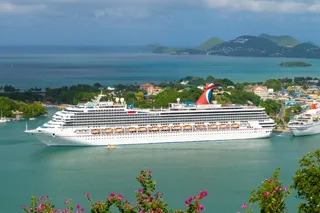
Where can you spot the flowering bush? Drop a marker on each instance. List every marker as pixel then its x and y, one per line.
pixel 147 201
pixel 270 196
pixel 307 182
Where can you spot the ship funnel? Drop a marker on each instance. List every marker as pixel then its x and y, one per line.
pixel 121 100
pixel 117 100
pixel 206 96
pixel 314 105
pixel 178 100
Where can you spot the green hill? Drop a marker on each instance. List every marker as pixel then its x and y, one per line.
pixel 210 43
pixel 283 41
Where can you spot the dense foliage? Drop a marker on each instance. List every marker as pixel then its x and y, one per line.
pixel 29 109
pixel 147 201
pixel 307 182
pixel 269 196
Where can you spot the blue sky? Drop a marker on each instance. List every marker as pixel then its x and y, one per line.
pixel 139 22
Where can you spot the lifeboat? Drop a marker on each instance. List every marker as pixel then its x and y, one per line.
pixel 213 126
pixel 142 129
pixel 95 131
pixel 165 128
pixel 224 126
pixel 201 126
pixel 176 128
pixel 235 125
pixel 187 127
pixel 132 129
pixel 111 146
pixel 154 128
pixel 119 130
pixel 108 130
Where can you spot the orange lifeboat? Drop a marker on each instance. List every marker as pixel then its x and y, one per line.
pixel 95 131
pixel 213 126
pixel 154 128
pixel 201 126
pixel 235 125
pixel 108 130
pixel 165 128
pixel 142 129
pixel 119 130
pixel 176 128
pixel 132 129
pixel 187 127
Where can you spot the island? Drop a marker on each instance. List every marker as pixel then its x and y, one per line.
pixel 295 64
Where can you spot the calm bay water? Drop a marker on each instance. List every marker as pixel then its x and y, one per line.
pixel 228 170
pixel 27 67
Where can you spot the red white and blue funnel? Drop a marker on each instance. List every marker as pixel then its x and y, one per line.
pixel 206 96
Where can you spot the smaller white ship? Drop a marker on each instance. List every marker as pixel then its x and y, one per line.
pixel 2 119
pixel 307 123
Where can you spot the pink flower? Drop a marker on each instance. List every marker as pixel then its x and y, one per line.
pixel 120 197
pixel 126 201
pixel 87 195
pixel 200 207
pixel 270 180
pixel 266 194
pixel 284 188
pixel 112 194
pixel 82 210
pixel 141 179
pixel 244 206
pixel 66 201
pixel 77 211
pixel 23 207
pixel 78 206
pixel 140 190
pixel 149 172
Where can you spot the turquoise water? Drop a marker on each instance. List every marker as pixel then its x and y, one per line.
pixel 228 170
pixel 61 67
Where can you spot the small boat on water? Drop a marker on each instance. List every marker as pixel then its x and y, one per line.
pixel 2 119
pixel 111 146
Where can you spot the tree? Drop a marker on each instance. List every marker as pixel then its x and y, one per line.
pixel 97 85
pixel 210 79
pixel 273 83
pixel 269 196
pixel 307 182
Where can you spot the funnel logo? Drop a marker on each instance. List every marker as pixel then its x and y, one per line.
pixel 206 96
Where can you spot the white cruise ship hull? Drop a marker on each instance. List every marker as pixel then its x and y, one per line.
pixel 148 138
pixel 307 130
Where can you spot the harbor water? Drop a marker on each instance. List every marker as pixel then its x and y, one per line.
pixel 229 170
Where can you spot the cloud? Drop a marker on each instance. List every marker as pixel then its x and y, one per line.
pixel 266 6
pixel 7 7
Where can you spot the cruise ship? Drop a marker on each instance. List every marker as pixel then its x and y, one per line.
pixel 307 123
pixel 109 123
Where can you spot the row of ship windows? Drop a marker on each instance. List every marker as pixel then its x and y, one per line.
pixel 172 118
pixel 154 136
pixel 158 120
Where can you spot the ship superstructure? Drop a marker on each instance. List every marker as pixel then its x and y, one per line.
pixel 307 123
pixel 99 123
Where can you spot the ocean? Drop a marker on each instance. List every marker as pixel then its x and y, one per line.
pixel 229 170
pixel 26 67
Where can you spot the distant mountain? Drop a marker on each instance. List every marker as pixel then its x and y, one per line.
pixel 247 46
pixel 256 46
pixel 283 41
pixel 164 49
pixel 210 43
pixel 151 47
